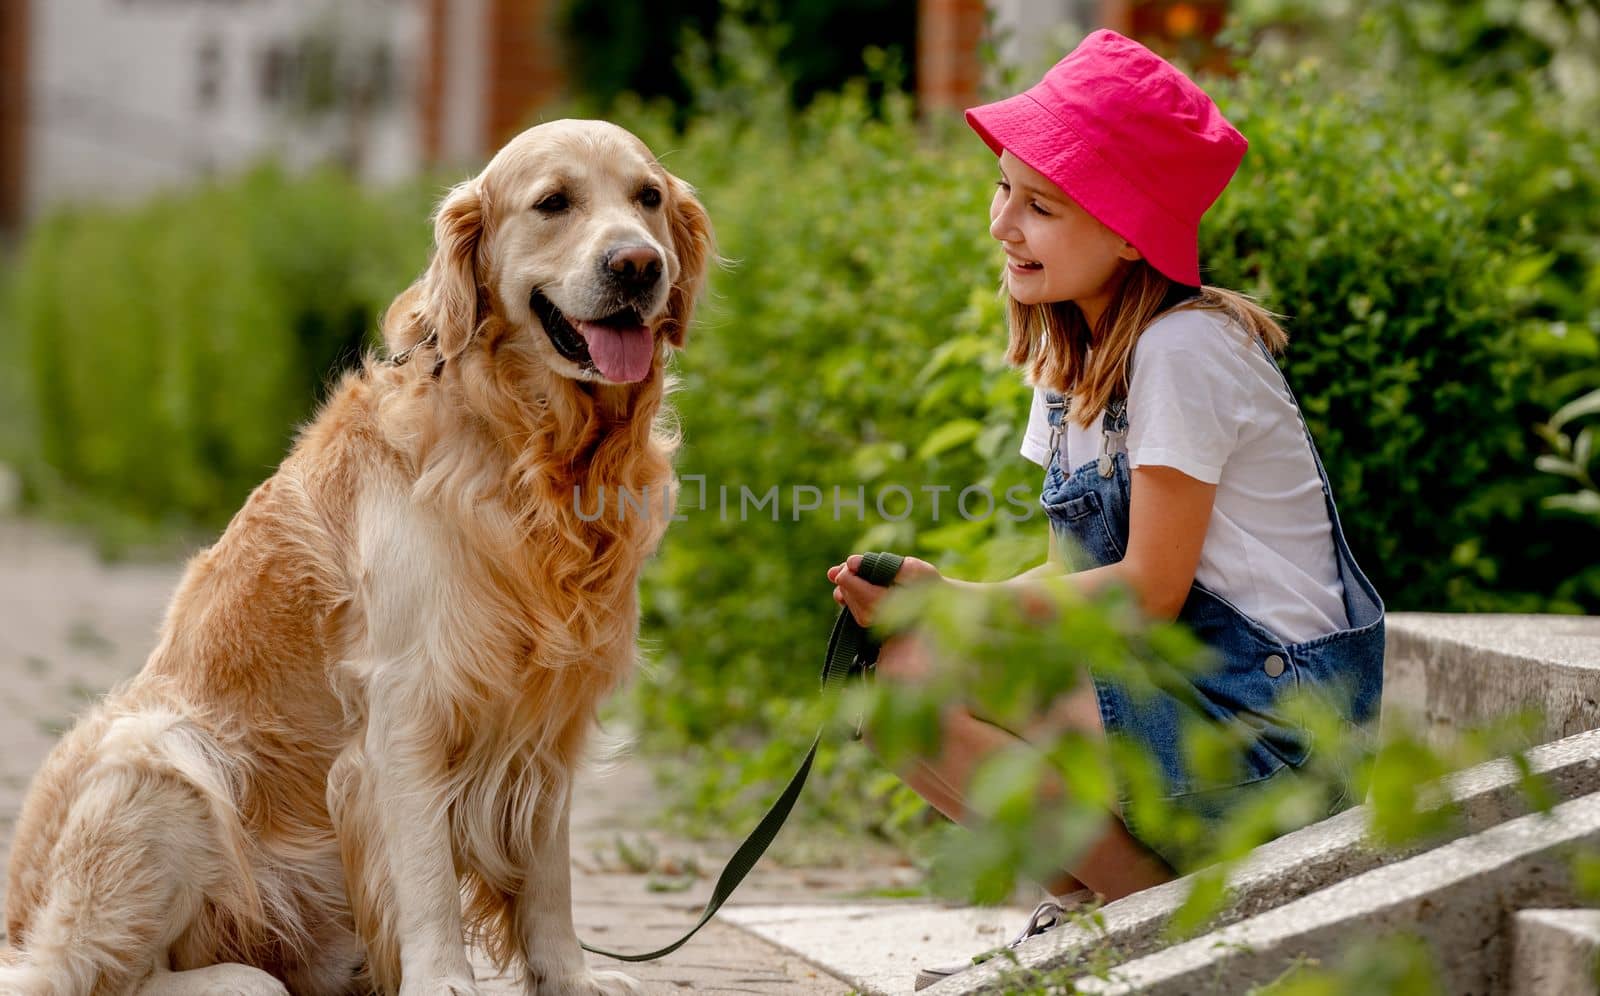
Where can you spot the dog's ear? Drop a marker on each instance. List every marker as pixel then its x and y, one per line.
pixel 450 297
pixel 403 323
pixel 692 244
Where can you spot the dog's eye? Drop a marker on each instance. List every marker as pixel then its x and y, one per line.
pixel 554 204
pixel 650 197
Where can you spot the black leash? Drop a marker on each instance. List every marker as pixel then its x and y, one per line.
pixel 851 651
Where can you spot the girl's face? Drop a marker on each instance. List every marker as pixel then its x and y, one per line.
pixel 1055 250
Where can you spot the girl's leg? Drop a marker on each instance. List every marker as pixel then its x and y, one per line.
pixel 1115 865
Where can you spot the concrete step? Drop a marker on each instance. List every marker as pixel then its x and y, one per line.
pixel 1455 897
pixel 1555 953
pixel 1450 671
pixel 879 947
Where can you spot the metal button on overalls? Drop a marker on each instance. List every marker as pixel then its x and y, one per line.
pixel 1274 666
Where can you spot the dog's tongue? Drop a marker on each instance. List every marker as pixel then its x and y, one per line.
pixel 622 354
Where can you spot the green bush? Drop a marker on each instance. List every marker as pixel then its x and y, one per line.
pixel 170 350
pixel 1506 95
pixel 1408 313
pixel 615 47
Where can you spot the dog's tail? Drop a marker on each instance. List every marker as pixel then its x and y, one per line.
pixel 151 837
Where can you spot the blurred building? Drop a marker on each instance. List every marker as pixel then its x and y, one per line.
pixel 112 99
pixel 1030 35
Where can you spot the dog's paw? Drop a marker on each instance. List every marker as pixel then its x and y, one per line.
pixel 214 980
pixel 256 984
pixel 588 983
pixel 453 986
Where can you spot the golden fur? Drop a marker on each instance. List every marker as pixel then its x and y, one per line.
pixel 370 695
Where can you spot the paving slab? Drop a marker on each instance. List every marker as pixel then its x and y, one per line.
pixel 878 947
pixel 1555 953
pixel 72 626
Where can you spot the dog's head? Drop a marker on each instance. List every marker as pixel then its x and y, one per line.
pixel 579 241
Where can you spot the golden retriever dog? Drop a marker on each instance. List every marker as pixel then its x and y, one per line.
pixel 353 748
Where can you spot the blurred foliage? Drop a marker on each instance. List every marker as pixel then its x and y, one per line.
pixel 1498 100
pixel 1033 808
pixel 169 351
pixel 1518 82
pixel 1476 44
pixel 16 416
pixel 617 47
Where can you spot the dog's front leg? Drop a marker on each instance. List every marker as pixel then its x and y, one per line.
pixel 410 602
pixel 544 920
pixel 407 767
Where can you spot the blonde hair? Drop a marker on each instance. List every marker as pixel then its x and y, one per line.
pixel 1050 342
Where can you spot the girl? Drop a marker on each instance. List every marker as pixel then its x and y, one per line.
pixel 1176 459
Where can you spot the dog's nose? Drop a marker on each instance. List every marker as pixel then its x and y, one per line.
pixel 635 268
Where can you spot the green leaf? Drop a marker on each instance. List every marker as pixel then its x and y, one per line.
pixel 1006 786
pixel 1208 892
pixel 1589 404
pixel 1582 503
pixel 1555 465
pixel 954 433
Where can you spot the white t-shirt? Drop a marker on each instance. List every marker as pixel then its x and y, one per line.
pixel 1204 399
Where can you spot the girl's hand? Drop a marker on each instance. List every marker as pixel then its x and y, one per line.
pixel 861 596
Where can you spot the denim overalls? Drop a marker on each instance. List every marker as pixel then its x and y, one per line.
pixel 1253 669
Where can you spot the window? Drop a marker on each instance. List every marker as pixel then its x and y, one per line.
pixel 208 74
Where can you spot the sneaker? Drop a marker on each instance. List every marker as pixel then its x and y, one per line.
pixel 1048 914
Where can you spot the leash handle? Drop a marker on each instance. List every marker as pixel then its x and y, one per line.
pixel 850 649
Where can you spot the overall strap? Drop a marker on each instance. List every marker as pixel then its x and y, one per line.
pixel 1342 546
pixel 1322 473
pixel 1113 423
pixel 1056 408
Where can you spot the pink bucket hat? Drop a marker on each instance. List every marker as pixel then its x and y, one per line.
pixel 1129 138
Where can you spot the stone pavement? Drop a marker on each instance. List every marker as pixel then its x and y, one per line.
pixel 71 627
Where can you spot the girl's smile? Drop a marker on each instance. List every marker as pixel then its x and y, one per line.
pixel 1055 250
pixel 1017 264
